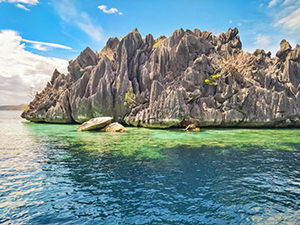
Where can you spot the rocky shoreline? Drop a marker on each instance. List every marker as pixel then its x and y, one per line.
pixel 168 82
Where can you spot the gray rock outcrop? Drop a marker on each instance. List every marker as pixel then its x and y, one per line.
pixel 167 77
pixel 95 124
pixel 114 127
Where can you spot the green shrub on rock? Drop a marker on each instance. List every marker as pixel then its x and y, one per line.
pixel 213 80
pixel 130 99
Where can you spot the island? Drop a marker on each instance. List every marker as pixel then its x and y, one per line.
pixel 192 77
pixel 13 107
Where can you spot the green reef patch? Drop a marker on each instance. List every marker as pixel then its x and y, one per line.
pixel 149 143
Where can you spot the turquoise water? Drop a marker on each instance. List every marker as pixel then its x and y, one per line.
pixel 51 174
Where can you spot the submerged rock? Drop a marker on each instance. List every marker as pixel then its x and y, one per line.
pixel 168 81
pixel 95 124
pixel 114 127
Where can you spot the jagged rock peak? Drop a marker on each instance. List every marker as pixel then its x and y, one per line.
pixel 160 38
pixel 261 52
pixel 295 53
pixel 231 33
pixel 176 37
pixel 285 48
pixel 54 76
pixel 86 58
pixel 149 40
pixel 135 31
pixel 112 43
pixel 197 32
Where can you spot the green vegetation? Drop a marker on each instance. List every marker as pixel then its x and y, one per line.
pixel 130 99
pixel 26 108
pixel 107 52
pixel 213 80
pixel 157 43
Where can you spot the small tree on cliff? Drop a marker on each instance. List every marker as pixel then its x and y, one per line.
pixel 130 99
pixel 213 80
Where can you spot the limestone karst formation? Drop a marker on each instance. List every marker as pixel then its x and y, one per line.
pixel 167 77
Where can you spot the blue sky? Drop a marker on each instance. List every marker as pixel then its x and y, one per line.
pixel 55 31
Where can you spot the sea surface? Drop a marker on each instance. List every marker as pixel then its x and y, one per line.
pixel 51 174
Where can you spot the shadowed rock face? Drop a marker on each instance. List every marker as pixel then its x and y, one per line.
pixel 168 79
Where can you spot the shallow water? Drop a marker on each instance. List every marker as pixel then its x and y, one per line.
pixel 51 174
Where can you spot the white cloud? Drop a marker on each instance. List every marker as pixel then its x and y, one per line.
pixel 40 47
pixel 287 2
pixel 21 69
pixel 29 2
pixel 21 3
pixel 22 7
pixel 291 22
pixel 91 29
pixel 286 16
pixel 273 3
pixel 230 22
pixel 43 45
pixel 69 13
pixel 262 40
pixel 104 9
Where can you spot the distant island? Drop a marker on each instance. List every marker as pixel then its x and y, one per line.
pixel 190 77
pixel 13 107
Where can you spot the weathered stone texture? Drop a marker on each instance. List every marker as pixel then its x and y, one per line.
pixel 254 90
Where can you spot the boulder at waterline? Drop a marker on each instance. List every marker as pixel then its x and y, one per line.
pixel 95 124
pixel 192 128
pixel 114 127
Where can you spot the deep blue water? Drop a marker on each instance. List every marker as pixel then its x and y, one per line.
pixel 53 178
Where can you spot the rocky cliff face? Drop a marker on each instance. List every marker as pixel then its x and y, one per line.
pixel 168 76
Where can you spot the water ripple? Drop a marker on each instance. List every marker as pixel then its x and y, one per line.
pixel 52 179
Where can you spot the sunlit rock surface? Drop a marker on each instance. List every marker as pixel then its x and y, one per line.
pixel 168 78
pixel 114 127
pixel 95 124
